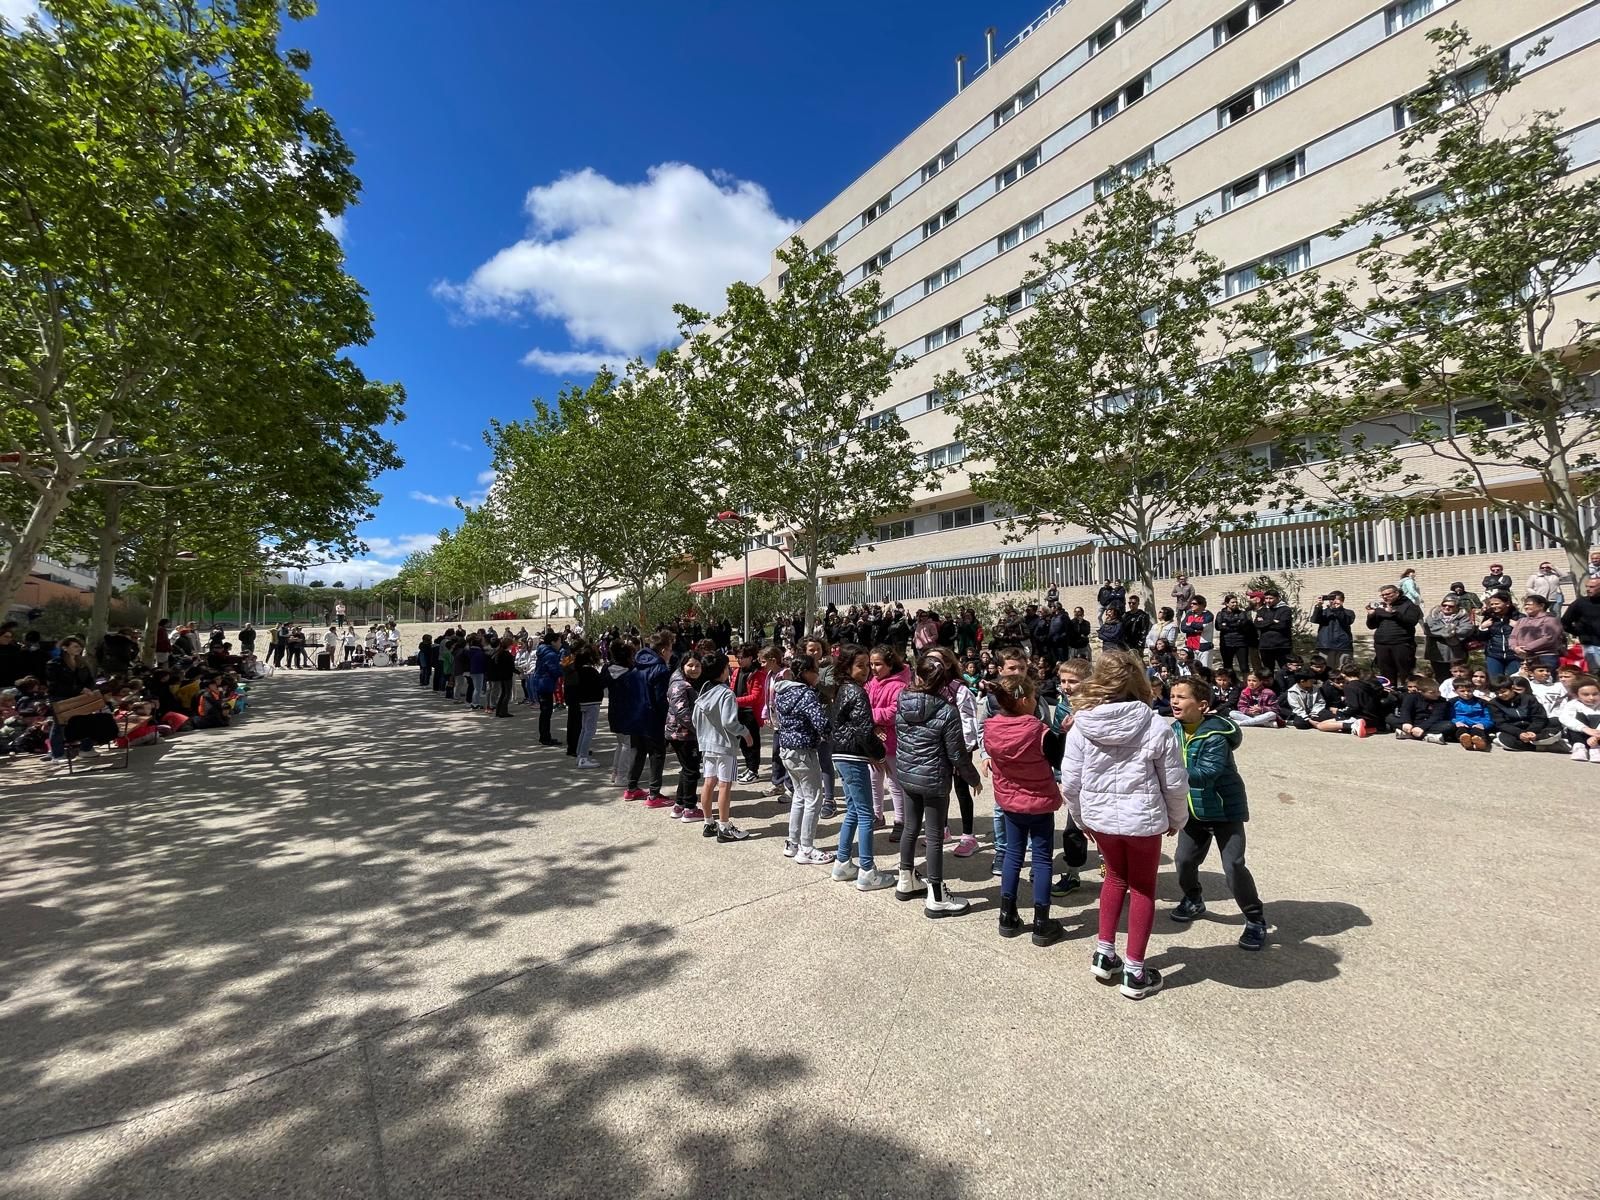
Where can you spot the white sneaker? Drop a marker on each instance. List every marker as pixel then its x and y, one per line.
pixel 1580 753
pixel 88 752
pixel 790 849
pixel 844 871
pixel 587 762
pixel 814 857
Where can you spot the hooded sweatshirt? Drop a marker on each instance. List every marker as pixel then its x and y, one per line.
pixel 716 720
pixel 1123 771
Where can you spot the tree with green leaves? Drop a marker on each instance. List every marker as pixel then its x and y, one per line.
pixel 1464 341
pixel 163 186
pixel 1123 401
pixel 786 382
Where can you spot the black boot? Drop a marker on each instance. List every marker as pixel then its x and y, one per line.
pixel 1047 930
pixel 1010 923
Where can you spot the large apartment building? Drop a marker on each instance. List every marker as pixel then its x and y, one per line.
pixel 1277 118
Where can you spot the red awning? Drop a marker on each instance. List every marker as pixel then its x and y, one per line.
pixel 723 582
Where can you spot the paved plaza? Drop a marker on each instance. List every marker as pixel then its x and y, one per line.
pixel 364 945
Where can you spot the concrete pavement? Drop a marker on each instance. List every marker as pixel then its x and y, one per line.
pixel 367 945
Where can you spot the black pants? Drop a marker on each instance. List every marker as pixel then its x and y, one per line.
pixel 1194 843
pixel 1236 659
pixel 752 749
pixel 964 804
pixel 1395 661
pixel 574 728
pixel 1074 846
pixel 547 708
pixel 687 752
pixel 1271 660
pixel 502 707
pixel 424 672
pixel 655 749
pixel 936 810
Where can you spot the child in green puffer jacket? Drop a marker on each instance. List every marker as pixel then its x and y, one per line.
pixel 1218 809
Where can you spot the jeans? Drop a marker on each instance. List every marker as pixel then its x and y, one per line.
pixel 935 806
pixel 777 773
pixel 855 833
pixel 478 690
pixel 591 718
pixel 653 749
pixel 1023 830
pixel 1499 667
pixel 1194 843
pixel 687 752
pixel 1234 658
pixel 1130 867
pixel 1271 660
pixel 805 774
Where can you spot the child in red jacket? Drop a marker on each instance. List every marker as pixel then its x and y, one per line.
pixel 1026 791
pixel 750 693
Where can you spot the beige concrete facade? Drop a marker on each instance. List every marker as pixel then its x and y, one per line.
pixel 1325 79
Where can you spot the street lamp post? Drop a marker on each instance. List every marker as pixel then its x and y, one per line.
pixel 740 520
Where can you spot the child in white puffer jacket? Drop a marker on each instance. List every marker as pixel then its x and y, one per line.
pixel 1126 785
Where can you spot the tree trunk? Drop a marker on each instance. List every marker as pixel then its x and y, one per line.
pixel 158 597
pixel 105 569
pixel 34 535
pixel 811 580
pixel 1141 563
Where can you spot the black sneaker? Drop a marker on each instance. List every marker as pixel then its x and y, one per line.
pixel 1069 882
pixel 1188 910
pixel 1106 967
pixel 710 829
pixel 895 831
pixel 1254 936
pixel 1137 987
pixel 730 833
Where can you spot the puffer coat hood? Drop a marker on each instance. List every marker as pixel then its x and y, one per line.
pixel 1123 771
pixel 928 743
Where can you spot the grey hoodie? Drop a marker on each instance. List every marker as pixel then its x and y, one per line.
pixel 716 720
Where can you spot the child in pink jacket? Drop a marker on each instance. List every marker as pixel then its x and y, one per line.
pixel 889 678
pixel 1125 784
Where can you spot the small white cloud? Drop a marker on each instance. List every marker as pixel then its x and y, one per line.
pixel 430 498
pixel 399 547
pixel 16 12
pixel 571 362
pixel 334 225
pixel 460 445
pixel 608 260
pixel 485 478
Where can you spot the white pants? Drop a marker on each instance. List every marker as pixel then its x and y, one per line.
pixel 1238 718
pixel 883 780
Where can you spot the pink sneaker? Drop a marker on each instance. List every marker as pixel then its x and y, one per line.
pixel 966 847
pixel 657 800
pixel 635 794
pixel 691 814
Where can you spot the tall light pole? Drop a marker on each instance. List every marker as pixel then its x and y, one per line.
pixel 741 520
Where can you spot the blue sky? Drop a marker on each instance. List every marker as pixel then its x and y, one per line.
pixel 542 179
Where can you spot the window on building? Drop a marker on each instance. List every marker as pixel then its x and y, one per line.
pixel 938 221
pixel 961 518
pixel 1490 416
pixel 895 530
pixel 1112 30
pixel 1408 12
pixel 1018 234
pixel 1272 88
pixel 829 246
pixel 941 337
pixel 1466 84
pixel 1285 171
pixel 938 279
pixel 1122 172
pixel 1016 104
pixel 879 419
pixel 877 262
pixel 1269 179
pixel 874 212
pixel 1130 93
pixel 1017 170
pixel 934 165
pixel 945 456
pixel 1241 18
pixel 783 280
pixel 1285 262
pixel 883 312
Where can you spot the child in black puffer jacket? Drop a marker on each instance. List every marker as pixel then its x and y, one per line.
pixel 928 752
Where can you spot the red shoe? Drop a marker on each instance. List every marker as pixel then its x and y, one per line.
pixel 635 794
pixel 657 800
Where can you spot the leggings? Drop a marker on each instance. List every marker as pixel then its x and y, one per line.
pixel 936 807
pixel 574 727
pixel 964 803
pixel 1194 843
pixel 1130 867
pixel 883 780
pixel 687 752
pixel 855 832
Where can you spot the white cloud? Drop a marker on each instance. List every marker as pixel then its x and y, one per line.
pixel 334 225
pixel 430 498
pixel 15 12
pixel 485 478
pixel 460 445
pixel 608 260
pixel 407 543
pixel 572 362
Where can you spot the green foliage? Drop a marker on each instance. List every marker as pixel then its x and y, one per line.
pixel 788 384
pixel 1460 333
pixel 1123 401
pixel 59 618
pixel 660 604
pixel 769 600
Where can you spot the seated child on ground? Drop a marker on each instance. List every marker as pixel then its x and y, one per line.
pixel 1422 713
pixel 1520 720
pixel 1258 704
pixel 1471 722
pixel 1580 718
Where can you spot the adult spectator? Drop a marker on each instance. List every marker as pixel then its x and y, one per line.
pixel 1197 628
pixel 1582 618
pixel 1236 633
pixel 163 641
pixel 1333 620
pixel 1538 637
pixel 247 639
pixel 647 717
pixel 1409 588
pixel 1136 624
pixel 1592 571
pixel 1496 581
pixel 10 655
pixel 1546 583
pixel 1274 625
pixel 1112 595
pixel 546 675
pixel 1393 621
pixel 1467 602
pixel 1494 635
pixel 502 671
pixel 1182 593
pixel 1079 631
pixel 1445 631
pixel 118 649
